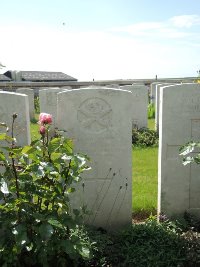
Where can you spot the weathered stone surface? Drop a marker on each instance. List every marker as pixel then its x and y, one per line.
pixel 48 102
pixel 16 103
pixel 66 87
pixel 30 93
pixel 113 85
pixel 153 92
pixel 157 103
pixel 139 104
pixel 99 122
pixel 179 186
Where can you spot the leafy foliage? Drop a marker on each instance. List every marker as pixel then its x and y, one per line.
pixel 38 225
pixel 37 104
pixel 188 156
pixel 151 111
pixel 146 244
pixel 144 137
pixel 151 244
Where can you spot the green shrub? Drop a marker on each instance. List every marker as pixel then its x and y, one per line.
pixel 192 246
pixel 151 244
pixel 37 224
pixel 37 104
pixel 147 244
pixel 144 137
pixel 151 111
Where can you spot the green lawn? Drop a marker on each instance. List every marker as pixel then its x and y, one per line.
pixel 151 124
pixel 144 170
pixel 35 128
pixel 145 177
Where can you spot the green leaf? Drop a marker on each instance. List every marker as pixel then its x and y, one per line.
pixel 4 187
pixel 55 223
pixel 54 144
pixel 55 156
pixel 3 136
pixel 187 149
pixel 71 190
pixel 28 149
pixel 85 252
pixel 20 234
pixel 68 145
pixel 81 161
pixel 2 157
pixel 68 247
pixel 46 231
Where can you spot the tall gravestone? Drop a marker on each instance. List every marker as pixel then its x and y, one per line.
pixel 66 87
pixel 157 103
pixel 139 104
pixel 113 85
pixel 16 103
pixel 99 122
pixel 30 93
pixel 153 92
pixel 48 102
pixel 179 186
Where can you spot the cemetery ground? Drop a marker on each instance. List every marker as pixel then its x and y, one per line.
pixel 147 243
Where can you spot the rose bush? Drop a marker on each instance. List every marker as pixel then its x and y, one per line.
pixel 38 227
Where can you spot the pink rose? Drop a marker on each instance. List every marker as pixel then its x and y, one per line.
pixel 42 130
pixel 45 118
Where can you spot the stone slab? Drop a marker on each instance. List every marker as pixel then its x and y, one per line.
pixel 48 102
pixel 99 122
pixel 139 105
pixel 157 103
pixel 30 93
pixel 179 123
pixel 16 103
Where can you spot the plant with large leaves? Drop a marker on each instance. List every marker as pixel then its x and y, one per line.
pixel 38 225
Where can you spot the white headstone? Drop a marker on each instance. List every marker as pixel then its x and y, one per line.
pixel 153 92
pixel 179 186
pixel 30 93
pixel 48 102
pixel 99 121
pixel 139 105
pixel 16 103
pixel 66 87
pixel 157 103
pixel 112 86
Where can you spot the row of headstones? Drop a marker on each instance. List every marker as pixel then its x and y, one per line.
pixel 99 120
pixel 139 104
pixel 155 99
pixel 179 122
pixel 48 102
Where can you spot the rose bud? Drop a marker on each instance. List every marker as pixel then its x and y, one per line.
pixel 42 130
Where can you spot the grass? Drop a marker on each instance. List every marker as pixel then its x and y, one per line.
pixel 144 170
pixel 35 128
pixel 151 124
pixel 145 178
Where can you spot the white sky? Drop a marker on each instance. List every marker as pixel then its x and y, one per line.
pixel 101 40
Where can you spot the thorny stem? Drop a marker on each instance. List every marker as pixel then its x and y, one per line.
pixel 64 188
pixel 13 160
pixel 43 142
